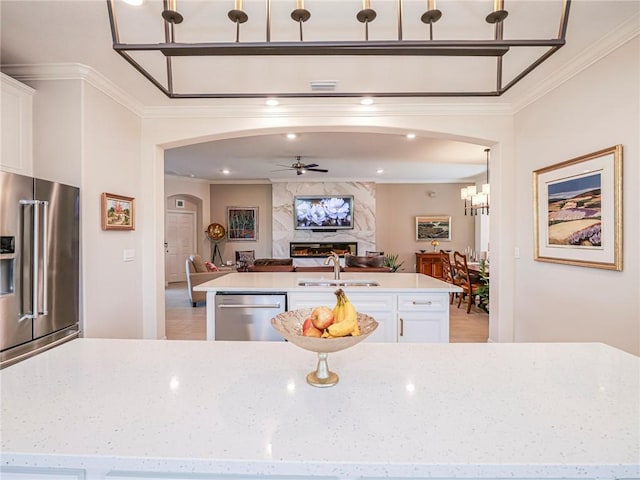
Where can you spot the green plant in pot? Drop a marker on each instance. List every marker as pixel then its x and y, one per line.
pixel 391 262
pixel 483 290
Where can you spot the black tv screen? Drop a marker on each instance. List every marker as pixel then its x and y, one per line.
pixel 323 212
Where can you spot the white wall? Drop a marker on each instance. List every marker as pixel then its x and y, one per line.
pixel 113 288
pixel 57 131
pixel 598 108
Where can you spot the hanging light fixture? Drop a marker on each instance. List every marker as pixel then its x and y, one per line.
pixel 148 58
pixel 477 201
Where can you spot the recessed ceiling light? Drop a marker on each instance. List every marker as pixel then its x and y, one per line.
pixel 411 136
pixel 135 3
pixel 272 102
pixel 366 101
pixel 226 171
pixel 380 170
pixel 292 136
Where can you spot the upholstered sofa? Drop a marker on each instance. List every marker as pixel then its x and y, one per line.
pixel 197 273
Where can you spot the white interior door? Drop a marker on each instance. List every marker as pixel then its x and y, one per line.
pixel 180 235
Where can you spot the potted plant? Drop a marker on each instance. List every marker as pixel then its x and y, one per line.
pixel 483 290
pixel 391 262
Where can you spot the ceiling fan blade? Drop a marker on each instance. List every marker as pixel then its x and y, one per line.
pixel 311 165
pixel 317 170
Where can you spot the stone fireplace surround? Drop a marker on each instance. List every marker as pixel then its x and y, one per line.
pixel 364 219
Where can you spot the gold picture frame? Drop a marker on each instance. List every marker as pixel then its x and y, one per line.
pixel 578 211
pixel 118 212
pixel 433 227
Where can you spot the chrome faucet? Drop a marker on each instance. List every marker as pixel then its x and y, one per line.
pixel 333 257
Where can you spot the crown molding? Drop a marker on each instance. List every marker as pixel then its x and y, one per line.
pixel 6 79
pixel 74 71
pixel 324 109
pixel 603 47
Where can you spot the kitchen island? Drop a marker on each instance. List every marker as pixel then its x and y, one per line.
pixel 410 307
pixel 97 409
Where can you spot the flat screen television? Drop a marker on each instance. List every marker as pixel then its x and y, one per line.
pixel 323 212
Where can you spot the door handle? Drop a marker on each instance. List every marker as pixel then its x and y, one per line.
pixel 401 327
pixel 240 305
pixel 36 239
pixel 45 258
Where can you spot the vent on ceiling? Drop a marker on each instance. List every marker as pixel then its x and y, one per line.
pixel 324 85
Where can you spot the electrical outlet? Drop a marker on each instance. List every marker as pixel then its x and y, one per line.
pixel 516 252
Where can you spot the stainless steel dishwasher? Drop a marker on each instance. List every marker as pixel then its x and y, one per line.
pixel 247 315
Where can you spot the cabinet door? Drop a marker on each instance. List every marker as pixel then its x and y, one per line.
pixel 17 112
pixel 429 327
pixel 423 318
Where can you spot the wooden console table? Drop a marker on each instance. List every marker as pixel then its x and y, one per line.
pixel 429 264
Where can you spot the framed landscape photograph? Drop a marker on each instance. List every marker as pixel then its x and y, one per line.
pixel 242 223
pixel 433 227
pixel 118 212
pixel 578 211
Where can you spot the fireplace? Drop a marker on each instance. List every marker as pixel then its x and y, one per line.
pixel 321 249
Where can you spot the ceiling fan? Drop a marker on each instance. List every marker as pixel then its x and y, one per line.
pixel 301 168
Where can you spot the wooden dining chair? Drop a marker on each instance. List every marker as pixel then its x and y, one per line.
pixel 447 271
pixel 464 281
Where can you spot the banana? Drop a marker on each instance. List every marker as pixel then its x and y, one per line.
pixel 346 317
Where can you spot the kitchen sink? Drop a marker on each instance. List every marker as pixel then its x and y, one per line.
pixel 338 283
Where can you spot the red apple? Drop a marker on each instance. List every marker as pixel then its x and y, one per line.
pixel 308 330
pixel 322 317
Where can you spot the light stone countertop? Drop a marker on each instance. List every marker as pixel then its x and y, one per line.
pixel 399 410
pixel 288 281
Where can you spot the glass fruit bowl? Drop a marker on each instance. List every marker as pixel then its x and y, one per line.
pixel 289 325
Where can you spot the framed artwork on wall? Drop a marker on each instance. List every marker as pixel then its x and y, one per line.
pixel 578 211
pixel 242 223
pixel 433 227
pixel 118 212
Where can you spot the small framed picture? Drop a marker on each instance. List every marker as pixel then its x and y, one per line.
pixel 118 212
pixel 578 211
pixel 242 223
pixel 179 203
pixel 433 227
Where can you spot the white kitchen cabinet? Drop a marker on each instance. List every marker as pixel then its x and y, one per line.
pixel 423 318
pixel 382 307
pixel 16 126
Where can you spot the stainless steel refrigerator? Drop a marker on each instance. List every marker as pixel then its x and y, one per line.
pixel 39 266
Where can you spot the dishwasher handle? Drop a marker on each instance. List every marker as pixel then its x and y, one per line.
pixel 250 305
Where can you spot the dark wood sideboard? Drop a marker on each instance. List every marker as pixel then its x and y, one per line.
pixel 429 264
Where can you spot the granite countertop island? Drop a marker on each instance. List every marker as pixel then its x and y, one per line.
pixel 422 295
pixel 289 281
pixel 98 408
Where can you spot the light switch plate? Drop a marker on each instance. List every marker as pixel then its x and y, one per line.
pixel 128 255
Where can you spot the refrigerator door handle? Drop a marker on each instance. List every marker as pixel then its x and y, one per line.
pixel 35 285
pixel 45 258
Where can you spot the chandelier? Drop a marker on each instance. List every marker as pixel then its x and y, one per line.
pixel 477 201
pixel 189 51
